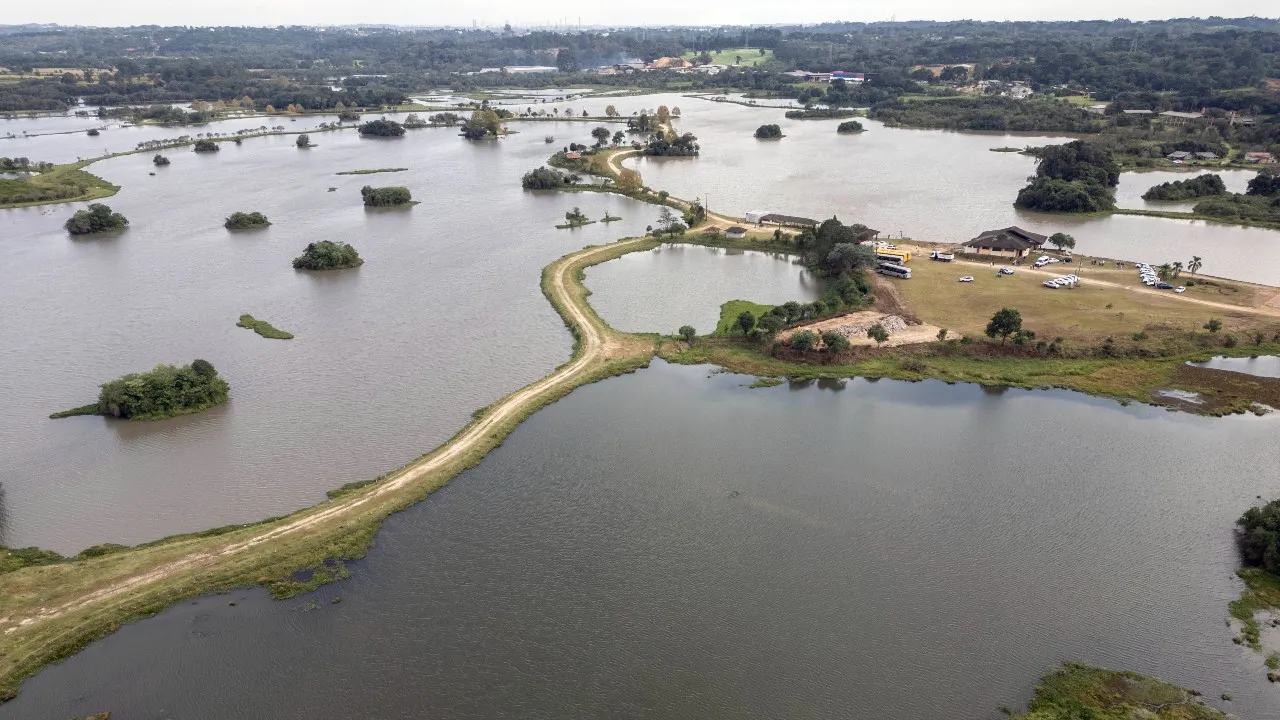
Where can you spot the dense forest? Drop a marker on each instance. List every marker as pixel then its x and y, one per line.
pixel 1079 176
pixel 1181 64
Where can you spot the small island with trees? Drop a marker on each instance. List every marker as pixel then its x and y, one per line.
pixel 573 219
pixel 327 255
pixel 246 221
pixel 1197 187
pixel 263 328
pixel 164 392
pixel 97 219
pixel 821 114
pixel 1077 177
pixel 850 127
pixel 768 132
pixel 372 171
pixel 543 178
pixel 159 160
pixel 206 146
pixel 390 196
pixel 304 141
pixel 381 127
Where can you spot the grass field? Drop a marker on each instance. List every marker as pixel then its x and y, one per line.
pixel 751 57
pixel 1083 100
pixel 62 184
pixel 1088 313
pixel 729 313
pixel 1081 691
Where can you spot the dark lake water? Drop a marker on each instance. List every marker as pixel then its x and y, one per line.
pixel 674 544
pixel 1266 365
pixel 389 359
pixel 674 285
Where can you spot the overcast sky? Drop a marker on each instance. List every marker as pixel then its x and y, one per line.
pixel 595 12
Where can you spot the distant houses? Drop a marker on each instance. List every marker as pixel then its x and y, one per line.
pixel 765 217
pixel 1262 158
pixel 1012 241
pixel 826 77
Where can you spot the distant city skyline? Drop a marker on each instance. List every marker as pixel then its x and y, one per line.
pixel 494 13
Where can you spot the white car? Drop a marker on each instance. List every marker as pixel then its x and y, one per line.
pixel 1041 263
pixel 1180 289
pixel 967 278
pixel 1052 284
pixel 1006 271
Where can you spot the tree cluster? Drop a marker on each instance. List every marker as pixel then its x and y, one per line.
pixel 820 114
pixel 1076 177
pixel 204 146
pixel 163 392
pixel 1197 187
pixel 849 126
pixel 385 196
pixel 543 178
pixel 159 160
pixel 768 132
pixel 675 145
pixel 484 122
pixel 327 255
pixel 991 113
pixel 1258 536
pixel 246 221
pixel 819 247
pixel 98 218
pixel 382 127
pixel 1260 202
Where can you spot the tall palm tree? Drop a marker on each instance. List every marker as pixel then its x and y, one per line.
pixel 1194 265
pixel 1164 271
pixel 1177 269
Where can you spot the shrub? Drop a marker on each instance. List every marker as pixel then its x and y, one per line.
pixel 835 342
pixel 304 141
pixel 1259 536
pixel 98 218
pixel 385 196
pixel 244 221
pixel 93 132
pixel 327 255
pixel 203 146
pixel 804 340
pixel 160 160
pixel 849 126
pixel 687 333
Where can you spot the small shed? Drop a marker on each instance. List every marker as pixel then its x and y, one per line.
pixel 1206 156
pixel 755 216
pixel 1179 155
pixel 735 233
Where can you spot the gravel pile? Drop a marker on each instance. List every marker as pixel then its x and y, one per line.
pixel 858 330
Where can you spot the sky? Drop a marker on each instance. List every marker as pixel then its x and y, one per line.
pixel 595 12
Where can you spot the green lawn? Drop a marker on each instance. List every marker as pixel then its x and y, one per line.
pixel 751 57
pixel 61 184
pixel 1079 100
pixel 730 311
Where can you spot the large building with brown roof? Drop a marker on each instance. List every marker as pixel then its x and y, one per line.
pixel 1012 241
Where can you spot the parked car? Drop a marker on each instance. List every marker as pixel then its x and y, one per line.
pixel 1180 289
pixel 1163 286
pixel 967 278
pixel 1051 284
pixel 1006 271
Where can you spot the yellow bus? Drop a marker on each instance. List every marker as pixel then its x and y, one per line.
pixel 899 256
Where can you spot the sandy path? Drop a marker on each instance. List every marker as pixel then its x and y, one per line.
pixel 593 348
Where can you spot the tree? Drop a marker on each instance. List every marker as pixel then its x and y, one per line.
pixel 204 146
pixel 687 333
pixel 163 392
pixel 849 256
pixel 566 60
pixel 1165 271
pixel 878 333
pixel 484 122
pixel 737 60
pixel 382 127
pixel 746 321
pixel 601 134
pixel 327 255
pixel 246 220
pixel 1004 323
pixel 803 340
pixel 98 218
pixel 1062 240
pixel 543 179
pixel 666 219
pixel 769 325
pixel 160 160
pixel 675 111
pixel 576 216
pixel 768 132
pixel 610 111
pixel 304 141
pixel 835 342
pixel 1194 266
pixel 663 114
pixel 1259 536
pixel 629 181
pixel 849 127
pixel 1177 269
pixel 412 120
pixel 942 334
pixel 1214 325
